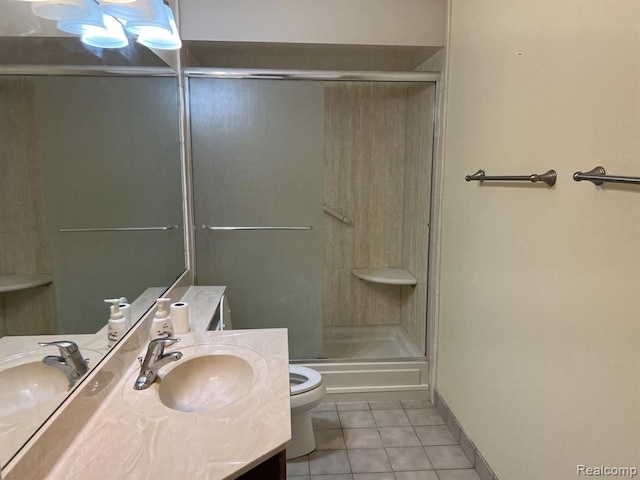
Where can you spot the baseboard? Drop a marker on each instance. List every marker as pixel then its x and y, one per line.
pixel 480 465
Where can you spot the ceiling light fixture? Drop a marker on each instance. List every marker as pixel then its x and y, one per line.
pixel 92 19
pixel 111 36
pixel 129 11
pixel 101 23
pixel 157 39
pixel 59 9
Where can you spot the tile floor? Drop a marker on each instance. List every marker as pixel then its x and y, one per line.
pixel 393 440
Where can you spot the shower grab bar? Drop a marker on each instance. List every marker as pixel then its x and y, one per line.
pixel 120 229
pixel 548 177
pixel 210 227
pixel 337 215
pixel 598 176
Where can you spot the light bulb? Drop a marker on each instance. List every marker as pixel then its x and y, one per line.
pixel 91 20
pixel 112 36
pixel 159 38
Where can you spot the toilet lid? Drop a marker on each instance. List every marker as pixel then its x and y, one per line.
pixel 303 379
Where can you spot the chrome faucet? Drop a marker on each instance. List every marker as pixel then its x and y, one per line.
pixel 154 360
pixel 69 362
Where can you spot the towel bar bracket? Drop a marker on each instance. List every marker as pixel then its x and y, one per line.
pixel 598 176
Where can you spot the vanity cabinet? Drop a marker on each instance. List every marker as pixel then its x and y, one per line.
pixel 275 468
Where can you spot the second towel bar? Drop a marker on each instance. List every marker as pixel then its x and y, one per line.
pixel 210 227
pixel 598 176
pixel 548 177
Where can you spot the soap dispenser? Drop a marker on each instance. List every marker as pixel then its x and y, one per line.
pixel 117 325
pixel 161 326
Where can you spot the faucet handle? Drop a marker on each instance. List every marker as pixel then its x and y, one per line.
pixel 70 358
pixel 65 346
pixel 70 352
pixel 164 341
pixel 156 348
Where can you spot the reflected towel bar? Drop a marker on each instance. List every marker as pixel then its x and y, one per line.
pixel 120 229
pixel 209 227
pixel 548 177
pixel 598 176
pixel 337 215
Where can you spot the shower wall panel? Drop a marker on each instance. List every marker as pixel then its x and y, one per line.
pixel 23 239
pixel 417 204
pixel 365 129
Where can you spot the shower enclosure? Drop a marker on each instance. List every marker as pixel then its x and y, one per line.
pixel 312 204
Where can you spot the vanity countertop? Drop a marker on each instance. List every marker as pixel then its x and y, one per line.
pixel 17 427
pixel 134 436
pixel 18 345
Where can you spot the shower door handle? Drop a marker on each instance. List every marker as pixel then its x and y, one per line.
pixel 210 227
pixel 119 229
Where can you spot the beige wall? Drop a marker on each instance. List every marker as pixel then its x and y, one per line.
pixel 540 326
pixel 363 22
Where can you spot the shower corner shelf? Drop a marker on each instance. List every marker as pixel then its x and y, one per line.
pixel 387 276
pixel 22 281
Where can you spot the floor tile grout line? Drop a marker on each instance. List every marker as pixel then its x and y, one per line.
pixel 346 452
pixel 378 428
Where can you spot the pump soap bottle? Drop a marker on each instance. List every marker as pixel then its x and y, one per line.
pixel 161 326
pixel 117 325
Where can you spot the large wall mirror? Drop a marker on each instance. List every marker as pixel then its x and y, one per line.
pixel 90 208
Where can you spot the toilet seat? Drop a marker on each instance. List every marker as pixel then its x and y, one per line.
pixel 308 379
pixel 307 391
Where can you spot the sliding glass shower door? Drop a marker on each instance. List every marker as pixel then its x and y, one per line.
pixel 257 149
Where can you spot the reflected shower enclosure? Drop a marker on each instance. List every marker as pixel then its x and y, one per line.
pixel 297 183
pixel 82 153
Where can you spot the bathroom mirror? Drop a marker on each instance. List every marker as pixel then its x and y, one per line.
pixel 90 204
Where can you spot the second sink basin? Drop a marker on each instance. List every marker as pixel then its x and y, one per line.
pixel 224 380
pixel 28 385
pixel 208 382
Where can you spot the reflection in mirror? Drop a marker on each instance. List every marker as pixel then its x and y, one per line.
pixel 90 196
pixel 30 40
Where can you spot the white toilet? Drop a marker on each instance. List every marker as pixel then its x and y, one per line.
pixel 307 391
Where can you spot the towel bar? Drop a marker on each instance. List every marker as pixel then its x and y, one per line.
pixel 548 177
pixel 598 176
pixel 119 229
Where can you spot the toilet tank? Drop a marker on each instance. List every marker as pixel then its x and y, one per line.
pixel 221 319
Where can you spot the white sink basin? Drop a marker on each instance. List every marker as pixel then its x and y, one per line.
pixel 29 384
pixel 26 382
pixel 208 382
pixel 221 379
